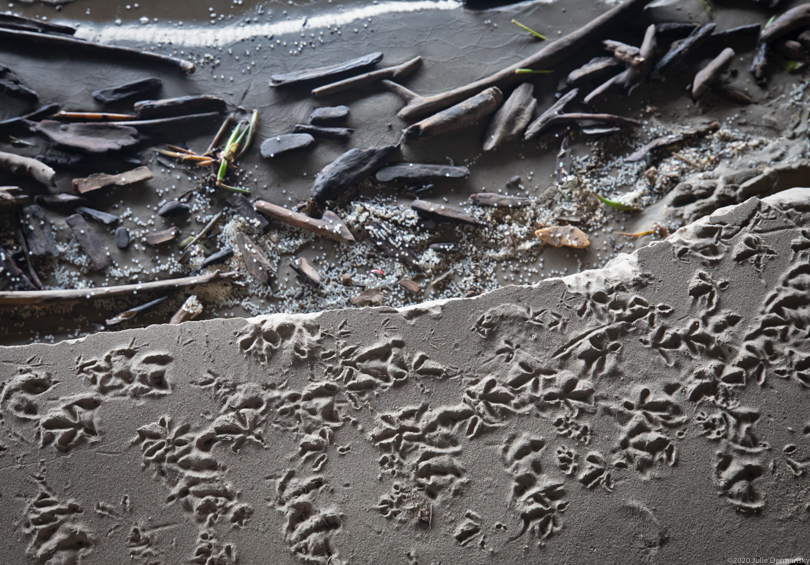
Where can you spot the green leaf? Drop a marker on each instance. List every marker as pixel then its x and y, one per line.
pixel 770 21
pixel 620 206
pixel 530 30
pixel 532 72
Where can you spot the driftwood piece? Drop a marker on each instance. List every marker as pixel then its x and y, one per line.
pixel 347 170
pixel 341 134
pixel 139 89
pixel 563 236
pixel 10 21
pixel 174 209
pixel 280 144
pixel 99 258
pixel 19 165
pixel 709 74
pixel 132 312
pixel 628 54
pixel 494 200
pixel 463 114
pixel 10 197
pixel 122 238
pixel 190 309
pixel 632 77
pixel 539 124
pixel 216 258
pixel 10 269
pixel 330 225
pixel 161 236
pixel 38 232
pixel 581 117
pixel 182 106
pixel 98 215
pixel 760 64
pixel 668 141
pixel 89 137
pixel 27 298
pixel 443 212
pixel 68 44
pixel 551 54
pixel 329 115
pixel 102 180
pixel 386 241
pixel 604 88
pixel 11 85
pixel 596 68
pixel 683 49
pixel 368 297
pixel 511 119
pixel 420 173
pixel 60 201
pixel 397 71
pixel 792 20
pixel 256 262
pixel 324 74
pixel 306 271
pixel 244 208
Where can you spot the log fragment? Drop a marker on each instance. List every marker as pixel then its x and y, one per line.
pixel 90 244
pixel 463 114
pixel 511 119
pixel 329 225
pixel 38 232
pixel 256 262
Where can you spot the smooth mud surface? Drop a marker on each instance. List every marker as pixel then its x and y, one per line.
pixel 237 47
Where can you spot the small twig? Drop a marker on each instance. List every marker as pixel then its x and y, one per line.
pixel 25 297
pixel 214 142
pixel 686 160
pixel 187 246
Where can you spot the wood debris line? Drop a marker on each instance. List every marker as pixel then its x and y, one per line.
pixel 548 56
pixel 26 298
pixel 68 43
pixel 329 225
pixel 541 122
pixel 395 72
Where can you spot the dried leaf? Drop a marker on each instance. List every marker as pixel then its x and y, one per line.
pixel 563 236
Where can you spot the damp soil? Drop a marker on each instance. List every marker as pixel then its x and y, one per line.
pixel 238 46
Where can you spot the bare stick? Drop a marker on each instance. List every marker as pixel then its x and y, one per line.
pixel 68 43
pixel 708 75
pixel 92 116
pixel 683 49
pixel 551 54
pixel 793 19
pixel 632 76
pixel 463 114
pixel 28 262
pixel 365 79
pixel 330 225
pixel 540 123
pixel 23 298
pixel 26 166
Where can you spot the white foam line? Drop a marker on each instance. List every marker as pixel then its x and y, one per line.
pixel 219 34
